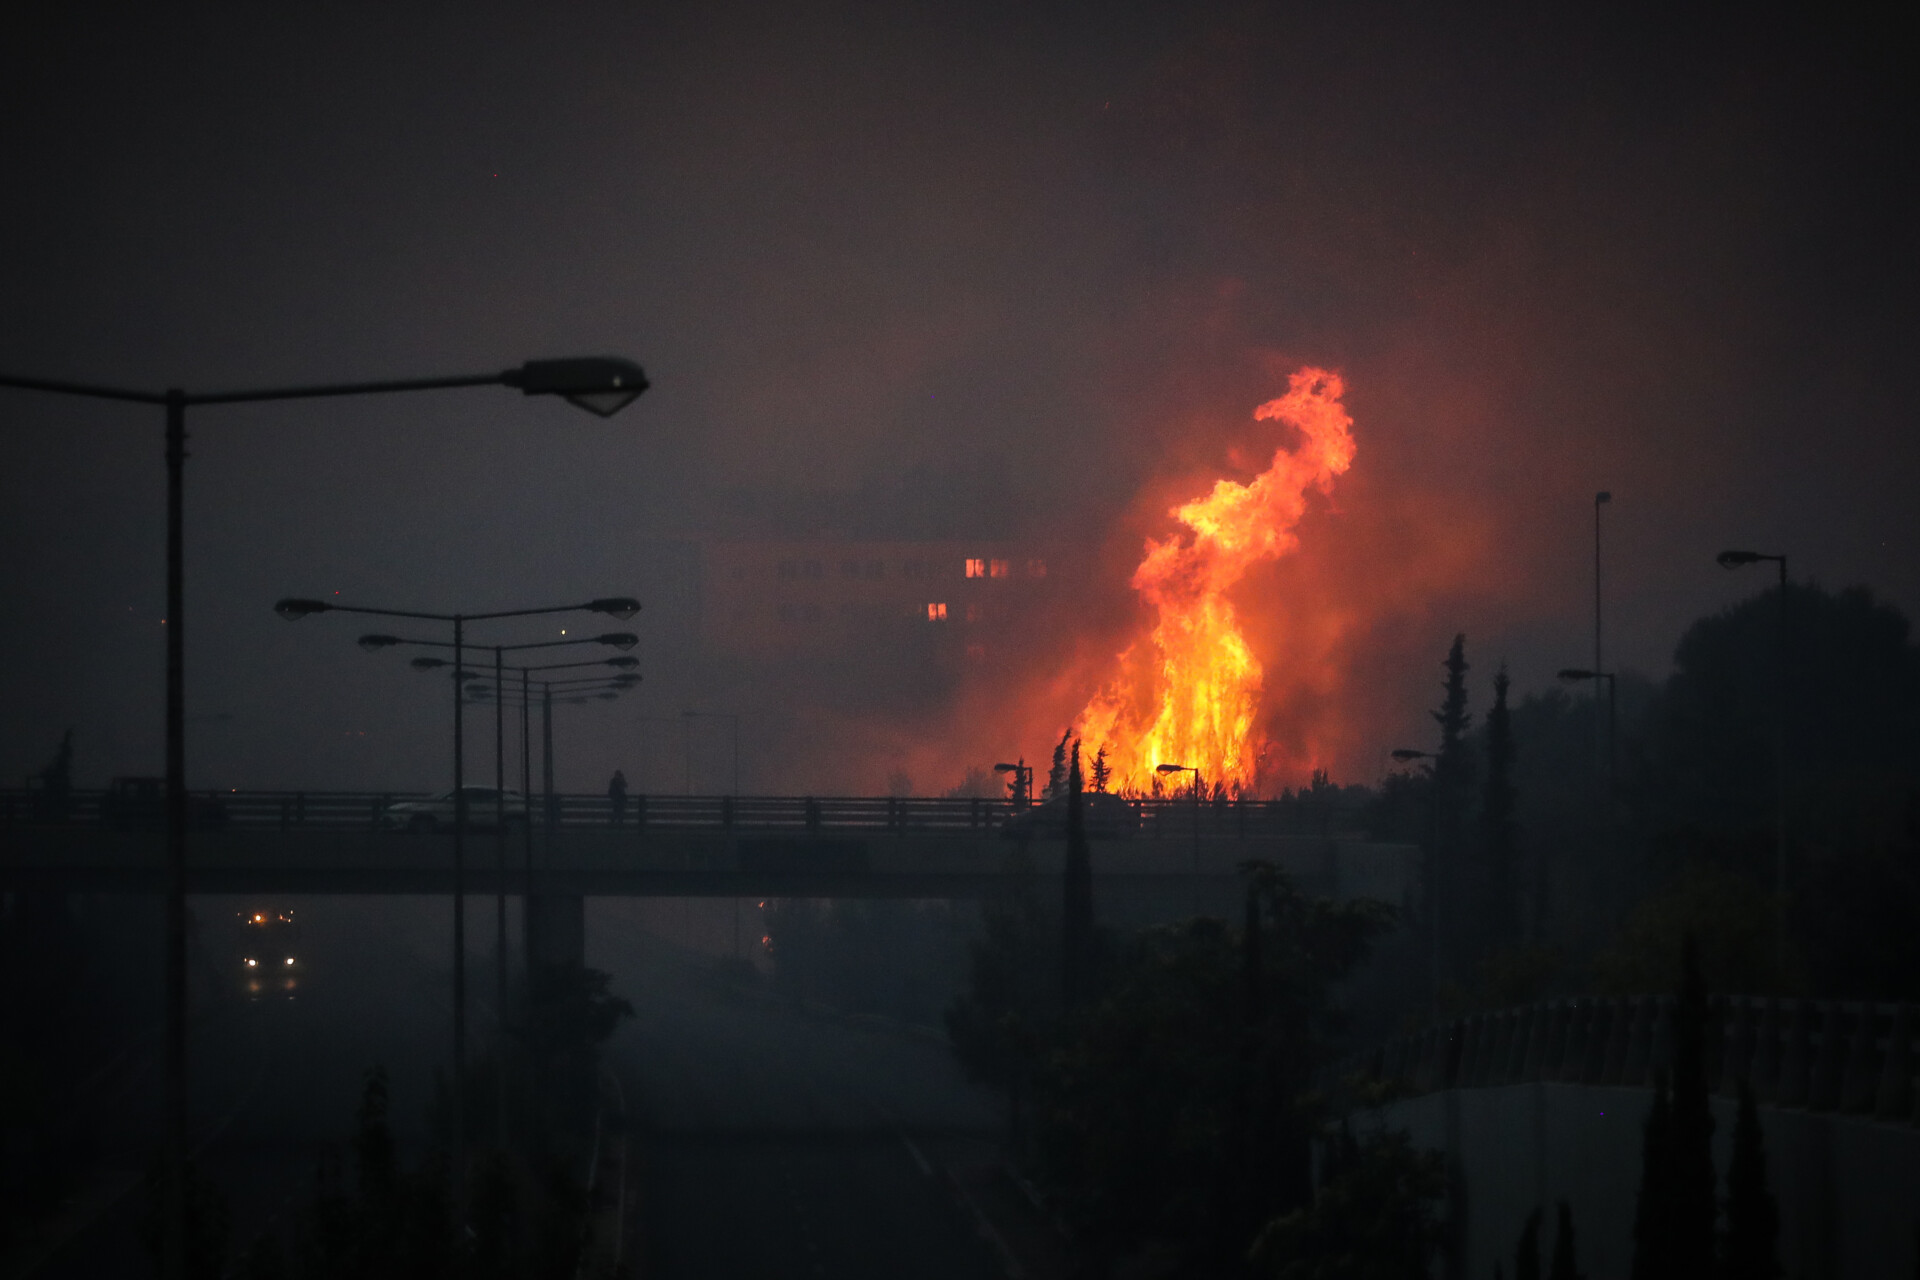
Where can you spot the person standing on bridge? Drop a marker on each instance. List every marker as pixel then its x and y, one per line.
pixel 617 798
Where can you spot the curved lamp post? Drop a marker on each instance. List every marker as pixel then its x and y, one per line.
pixel 1739 560
pixel 1407 755
pixel 1164 769
pixel 602 385
pixel 1022 781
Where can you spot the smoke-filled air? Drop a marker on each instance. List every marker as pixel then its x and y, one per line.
pixel 1188 690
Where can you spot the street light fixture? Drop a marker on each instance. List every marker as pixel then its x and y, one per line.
pixel 1195 771
pixel 602 385
pixel 1407 755
pixel 1737 560
pixel 1022 781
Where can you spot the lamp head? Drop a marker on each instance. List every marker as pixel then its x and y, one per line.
pixel 1735 559
pixel 429 664
pixel 1007 768
pixel 1404 754
pixel 623 662
pixel 619 639
pixel 1173 768
pixel 617 606
pixel 371 643
pixel 602 385
pixel 626 681
pixel 1602 496
pixel 294 609
pixel 1571 674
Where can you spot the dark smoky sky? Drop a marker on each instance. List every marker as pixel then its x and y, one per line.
pixel 985 268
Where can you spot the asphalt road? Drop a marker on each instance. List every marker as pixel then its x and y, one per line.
pixel 274 1083
pixel 774 1142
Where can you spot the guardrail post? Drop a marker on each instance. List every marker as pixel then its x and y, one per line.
pixel 893 813
pixel 1829 1058
pixel 973 812
pixel 1796 1057
pixel 1859 1083
pixel 1894 1100
pixel 726 811
pixel 640 812
pixel 811 810
pixel 1736 1060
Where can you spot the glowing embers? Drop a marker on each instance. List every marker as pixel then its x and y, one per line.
pixel 1189 690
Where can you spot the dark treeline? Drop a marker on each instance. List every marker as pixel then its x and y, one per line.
pixel 1560 870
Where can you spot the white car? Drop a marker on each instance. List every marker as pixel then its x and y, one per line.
pixel 436 814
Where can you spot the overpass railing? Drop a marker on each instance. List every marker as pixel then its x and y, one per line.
pixel 1151 817
pixel 1841 1056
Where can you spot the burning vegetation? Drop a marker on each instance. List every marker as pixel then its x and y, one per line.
pixel 1188 691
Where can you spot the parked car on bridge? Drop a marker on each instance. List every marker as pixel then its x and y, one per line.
pixel 436 813
pixel 1103 816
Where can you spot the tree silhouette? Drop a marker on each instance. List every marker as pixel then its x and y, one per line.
pixel 1652 1216
pixel 1502 920
pixel 1691 1189
pixel 1564 1265
pixel 1452 779
pixel 1102 771
pixel 1751 1247
pixel 1526 1254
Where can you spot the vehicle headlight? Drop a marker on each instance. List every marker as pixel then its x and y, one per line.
pixel 251 962
pixel 289 959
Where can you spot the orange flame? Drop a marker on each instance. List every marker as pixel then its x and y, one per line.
pixel 1194 701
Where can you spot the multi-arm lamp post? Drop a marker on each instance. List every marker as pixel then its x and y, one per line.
pixel 294 609
pixel 1738 560
pixel 600 385
pixel 1022 781
pixel 615 639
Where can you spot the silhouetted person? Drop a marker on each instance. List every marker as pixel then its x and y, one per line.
pixel 617 796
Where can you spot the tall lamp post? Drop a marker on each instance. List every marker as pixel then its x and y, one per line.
pixel 600 385
pixel 1195 771
pixel 1407 755
pixel 1738 560
pixel 293 609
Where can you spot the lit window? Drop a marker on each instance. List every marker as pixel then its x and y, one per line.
pixel 996 568
pixel 976 568
pixel 936 613
pixel 976 653
pixel 1036 568
pixel 973 613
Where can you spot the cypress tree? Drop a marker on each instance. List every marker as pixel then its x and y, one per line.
pixel 1652 1235
pixel 1691 1190
pixel 1452 777
pixel 1753 1219
pixel 1496 815
pixel 1564 1266
pixel 1077 896
pixel 1526 1254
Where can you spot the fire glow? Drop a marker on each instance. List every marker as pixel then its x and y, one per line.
pixel 1188 691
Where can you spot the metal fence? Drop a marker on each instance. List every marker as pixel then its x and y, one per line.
pixel 1848 1057
pixel 1153 818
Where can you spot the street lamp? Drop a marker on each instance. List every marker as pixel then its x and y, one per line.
pixel 601 385
pixel 1407 755
pixel 1195 771
pixel 1737 560
pixel 1022 781
pixel 293 609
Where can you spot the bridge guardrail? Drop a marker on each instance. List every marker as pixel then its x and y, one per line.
pixel 1158 817
pixel 1848 1057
